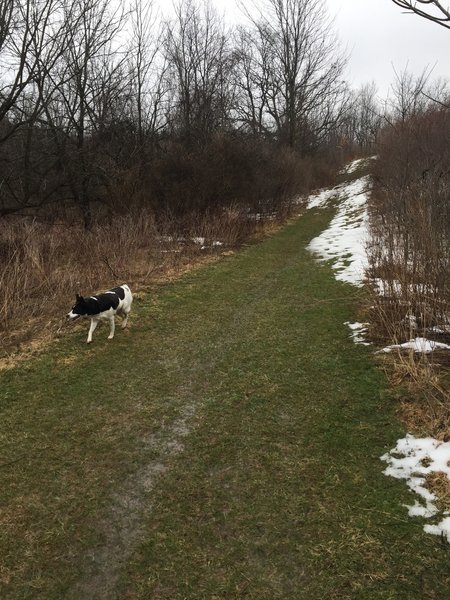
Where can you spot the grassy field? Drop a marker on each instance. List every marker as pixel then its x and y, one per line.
pixel 226 446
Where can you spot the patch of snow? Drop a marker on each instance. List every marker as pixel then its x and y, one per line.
pixel 418 344
pixel 201 241
pixel 355 164
pixel 358 332
pixel 322 198
pixel 264 216
pixel 170 238
pixel 198 240
pixel 345 240
pixel 351 167
pixel 437 330
pixel 413 459
pixel 419 510
pixel 397 289
pixel 212 245
pixel 442 528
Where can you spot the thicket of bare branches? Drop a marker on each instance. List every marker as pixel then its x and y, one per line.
pixel 104 107
pixel 412 201
pixel 410 243
pixel 410 254
pixel 362 121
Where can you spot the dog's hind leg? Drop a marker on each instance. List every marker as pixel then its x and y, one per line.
pixel 94 323
pixel 125 318
pixel 113 327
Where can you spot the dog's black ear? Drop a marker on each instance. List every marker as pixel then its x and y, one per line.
pixel 79 298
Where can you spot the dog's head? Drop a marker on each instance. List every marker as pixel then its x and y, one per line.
pixel 79 309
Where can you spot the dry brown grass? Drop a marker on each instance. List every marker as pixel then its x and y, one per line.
pixel 439 484
pixel 420 383
pixel 45 264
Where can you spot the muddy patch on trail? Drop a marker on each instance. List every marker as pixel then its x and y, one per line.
pixel 120 528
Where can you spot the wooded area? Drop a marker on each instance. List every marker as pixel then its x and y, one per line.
pixel 103 109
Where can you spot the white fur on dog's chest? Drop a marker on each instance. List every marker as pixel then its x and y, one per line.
pixel 105 315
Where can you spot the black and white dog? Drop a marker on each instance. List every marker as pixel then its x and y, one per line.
pixel 103 307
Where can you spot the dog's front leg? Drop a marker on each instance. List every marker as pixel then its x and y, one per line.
pixel 94 323
pixel 113 327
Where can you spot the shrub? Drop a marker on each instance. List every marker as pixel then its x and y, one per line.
pixel 410 223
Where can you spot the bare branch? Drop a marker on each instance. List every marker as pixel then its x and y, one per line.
pixel 432 10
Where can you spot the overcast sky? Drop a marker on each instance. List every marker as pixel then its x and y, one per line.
pixel 379 36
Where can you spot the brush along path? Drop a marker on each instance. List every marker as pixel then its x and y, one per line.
pixel 228 448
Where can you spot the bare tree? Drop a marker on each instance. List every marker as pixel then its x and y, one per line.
pixel 409 94
pixel 301 66
pixel 200 66
pixel 363 119
pixel 439 92
pixel 25 25
pixel 82 97
pixel 91 101
pixel 32 39
pixel 433 10
pixel 253 81
pixel 370 118
pixel 148 68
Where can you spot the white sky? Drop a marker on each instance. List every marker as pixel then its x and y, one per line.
pixel 379 36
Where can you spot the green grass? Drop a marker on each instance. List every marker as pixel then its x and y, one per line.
pixel 240 386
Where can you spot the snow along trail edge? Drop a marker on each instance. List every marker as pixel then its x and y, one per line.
pixel 345 242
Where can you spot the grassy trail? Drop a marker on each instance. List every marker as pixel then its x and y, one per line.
pixel 226 447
